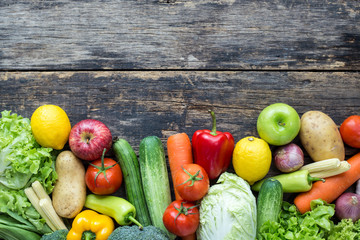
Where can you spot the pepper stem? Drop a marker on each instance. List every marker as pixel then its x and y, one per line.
pixel 314 179
pixel 213 130
pixel 133 220
pixel 102 169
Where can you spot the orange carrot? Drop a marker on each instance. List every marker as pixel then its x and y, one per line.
pixel 179 153
pixel 332 188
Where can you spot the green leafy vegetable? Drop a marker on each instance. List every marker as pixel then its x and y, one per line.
pixel 22 161
pixel 346 229
pixel 228 211
pixel 314 224
pixel 13 233
pixel 13 226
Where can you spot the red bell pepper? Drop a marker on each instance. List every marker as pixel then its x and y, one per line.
pixel 213 149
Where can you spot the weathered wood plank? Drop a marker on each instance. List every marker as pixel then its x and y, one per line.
pixel 179 34
pixel 142 103
pixel 137 104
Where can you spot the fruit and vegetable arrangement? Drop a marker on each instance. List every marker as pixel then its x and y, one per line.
pixel 59 181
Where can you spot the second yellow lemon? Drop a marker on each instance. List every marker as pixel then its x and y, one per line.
pixel 50 126
pixel 251 159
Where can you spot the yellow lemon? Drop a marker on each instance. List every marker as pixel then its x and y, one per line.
pixel 251 159
pixel 50 126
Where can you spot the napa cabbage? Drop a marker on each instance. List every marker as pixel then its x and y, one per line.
pixel 228 211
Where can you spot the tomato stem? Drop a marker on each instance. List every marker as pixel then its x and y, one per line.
pixel 184 210
pixel 102 168
pixel 192 178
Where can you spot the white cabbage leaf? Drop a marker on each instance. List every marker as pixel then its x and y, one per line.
pixel 228 211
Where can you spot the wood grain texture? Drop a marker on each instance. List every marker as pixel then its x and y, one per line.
pixel 137 104
pixel 179 34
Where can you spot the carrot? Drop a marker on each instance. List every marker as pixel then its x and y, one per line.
pixel 332 188
pixel 179 153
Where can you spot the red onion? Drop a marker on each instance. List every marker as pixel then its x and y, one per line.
pixel 288 158
pixel 347 206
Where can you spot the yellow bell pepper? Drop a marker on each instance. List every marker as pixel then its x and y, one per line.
pixel 91 225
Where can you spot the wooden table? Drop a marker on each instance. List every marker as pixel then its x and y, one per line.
pixel 156 67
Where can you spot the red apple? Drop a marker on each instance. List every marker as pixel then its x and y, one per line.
pixel 88 138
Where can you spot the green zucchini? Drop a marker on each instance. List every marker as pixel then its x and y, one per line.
pixel 269 202
pixel 131 173
pixel 155 180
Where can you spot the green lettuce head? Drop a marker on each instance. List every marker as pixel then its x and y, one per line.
pixel 22 161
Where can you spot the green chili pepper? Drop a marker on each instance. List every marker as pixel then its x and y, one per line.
pixel 116 207
pixel 298 181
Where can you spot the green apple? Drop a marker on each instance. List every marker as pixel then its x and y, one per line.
pixel 278 124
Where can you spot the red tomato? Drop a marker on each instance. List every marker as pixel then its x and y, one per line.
pixel 350 131
pixel 191 182
pixel 181 218
pixel 95 176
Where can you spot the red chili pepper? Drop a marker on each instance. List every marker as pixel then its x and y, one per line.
pixel 213 149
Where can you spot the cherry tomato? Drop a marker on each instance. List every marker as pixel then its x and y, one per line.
pixel 103 176
pixel 181 218
pixel 350 131
pixel 191 182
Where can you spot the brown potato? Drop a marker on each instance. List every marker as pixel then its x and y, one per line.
pixel 70 189
pixel 320 136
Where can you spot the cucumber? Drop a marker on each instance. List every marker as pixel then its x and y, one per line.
pixel 269 202
pixel 155 180
pixel 131 172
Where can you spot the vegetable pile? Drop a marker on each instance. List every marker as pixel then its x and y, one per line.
pixel 187 191
pixel 22 162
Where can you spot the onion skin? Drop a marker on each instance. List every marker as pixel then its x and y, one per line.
pixel 288 158
pixel 347 206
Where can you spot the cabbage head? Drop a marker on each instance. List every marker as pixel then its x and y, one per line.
pixel 228 211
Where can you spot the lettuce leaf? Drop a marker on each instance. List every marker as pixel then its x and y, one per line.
pixel 228 211
pixel 346 229
pixel 22 161
pixel 21 157
pixel 313 225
